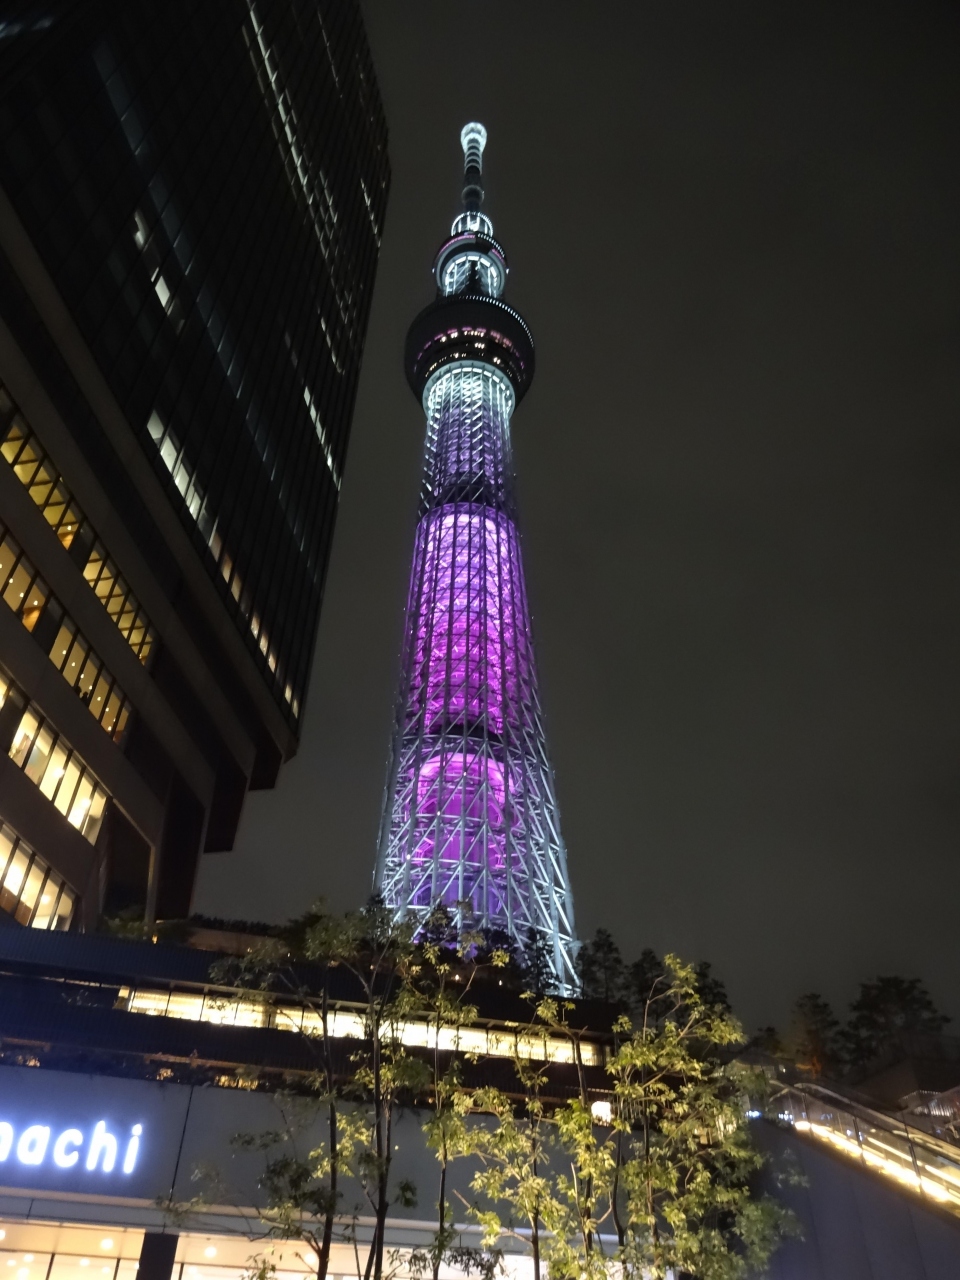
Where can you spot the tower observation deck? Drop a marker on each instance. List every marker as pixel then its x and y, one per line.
pixel 470 815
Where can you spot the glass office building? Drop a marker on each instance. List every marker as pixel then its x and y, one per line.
pixel 191 204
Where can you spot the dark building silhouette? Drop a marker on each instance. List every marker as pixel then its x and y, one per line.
pixel 191 202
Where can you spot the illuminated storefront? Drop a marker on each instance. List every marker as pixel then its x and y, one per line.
pixel 91 1167
pixel 119 1101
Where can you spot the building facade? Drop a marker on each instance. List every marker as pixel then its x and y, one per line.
pixel 191 204
pixel 470 817
pixel 126 1070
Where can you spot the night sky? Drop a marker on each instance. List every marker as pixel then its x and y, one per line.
pixel 733 230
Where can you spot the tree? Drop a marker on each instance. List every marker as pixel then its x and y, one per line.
pixel 515 1155
pixel 711 989
pixel 358 1100
pixel 665 1166
pixel 438 991
pixel 380 953
pixel 302 1186
pixel 642 978
pixel 648 974
pixel 885 1014
pixel 814 1038
pixel 584 1159
pixel 669 1170
pixel 537 968
pixel 601 969
pixel 767 1040
pixel 681 1198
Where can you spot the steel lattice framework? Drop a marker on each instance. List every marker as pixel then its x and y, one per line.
pixel 470 814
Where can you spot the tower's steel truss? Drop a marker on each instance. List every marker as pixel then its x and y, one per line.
pixel 470 814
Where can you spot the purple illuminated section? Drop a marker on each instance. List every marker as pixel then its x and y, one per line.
pixel 459 832
pixel 471 657
pixel 470 664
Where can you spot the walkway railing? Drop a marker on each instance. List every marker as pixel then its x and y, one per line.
pixel 886 1144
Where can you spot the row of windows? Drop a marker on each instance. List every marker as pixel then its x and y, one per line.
pixel 36 472
pixel 119 601
pixel 21 586
pixel 28 595
pixel 67 1266
pixel 85 673
pixel 30 890
pixel 266 607
pixel 174 459
pixel 53 766
pixel 242 1011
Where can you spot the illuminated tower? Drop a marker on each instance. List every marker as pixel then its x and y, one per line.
pixel 470 816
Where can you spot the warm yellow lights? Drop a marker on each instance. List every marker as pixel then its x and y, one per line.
pixel 237 1011
pixel 910 1165
pixel 106 1243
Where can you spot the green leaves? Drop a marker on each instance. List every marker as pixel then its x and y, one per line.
pixel 669 1178
pixel 662 1184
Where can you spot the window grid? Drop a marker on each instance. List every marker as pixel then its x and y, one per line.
pixel 53 766
pixel 22 588
pixel 174 459
pixel 27 594
pixel 35 471
pixel 155 296
pixel 30 890
pixel 89 678
pixel 119 601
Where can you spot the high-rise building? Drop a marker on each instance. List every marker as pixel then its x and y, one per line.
pixel 191 203
pixel 470 815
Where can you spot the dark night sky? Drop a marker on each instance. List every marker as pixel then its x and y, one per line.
pixel 733 229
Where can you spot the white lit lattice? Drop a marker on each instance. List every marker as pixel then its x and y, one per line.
pixel 478 223
pixel 472 272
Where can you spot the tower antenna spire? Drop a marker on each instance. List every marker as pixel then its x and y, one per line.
pixel 473 138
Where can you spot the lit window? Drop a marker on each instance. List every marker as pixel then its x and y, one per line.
pixel 349 1024
pixel 62 777
pixel 31 891
pixel 21 449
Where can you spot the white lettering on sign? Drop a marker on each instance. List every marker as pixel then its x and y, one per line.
pixel 102 1146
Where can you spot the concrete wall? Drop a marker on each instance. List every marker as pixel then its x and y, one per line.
pixel 856 1225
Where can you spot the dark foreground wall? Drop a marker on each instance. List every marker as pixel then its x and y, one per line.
pixel 856 1226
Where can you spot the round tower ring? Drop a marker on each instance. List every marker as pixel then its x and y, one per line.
pixel 474 328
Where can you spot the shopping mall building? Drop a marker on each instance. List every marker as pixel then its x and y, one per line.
pixel 126 1073
pixel 127 1069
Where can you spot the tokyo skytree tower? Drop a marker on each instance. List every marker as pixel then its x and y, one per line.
pixel 470 815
